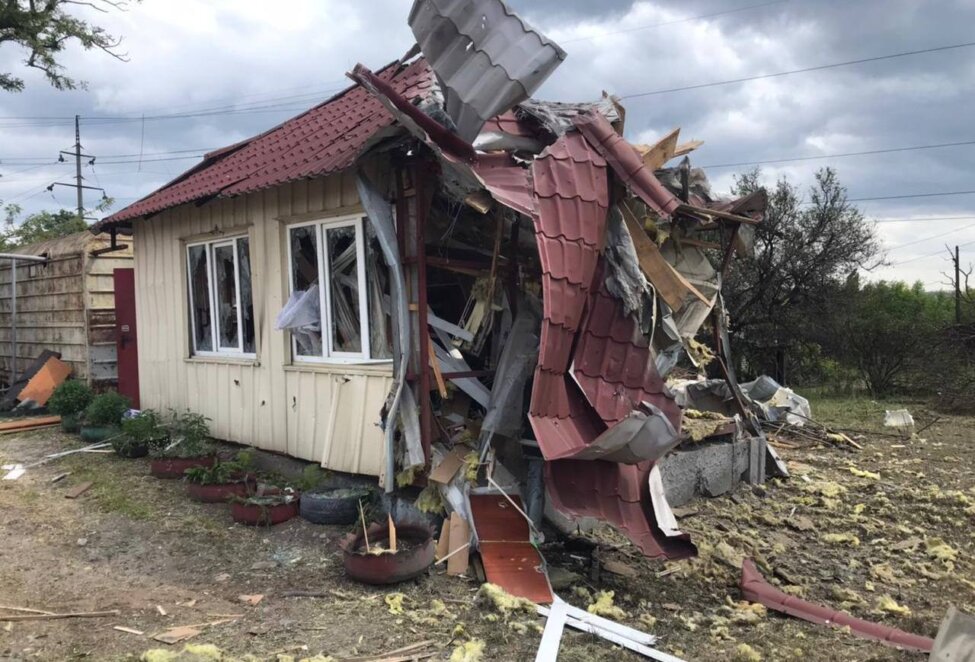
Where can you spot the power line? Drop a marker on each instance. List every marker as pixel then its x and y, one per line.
pixel 910 195
pixel 930 237
pixel 889 150
pixel 921 257
pixel 674 22
pixel 821 67
pixel 922 218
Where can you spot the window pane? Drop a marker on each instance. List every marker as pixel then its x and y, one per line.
pixel 199 277
pixel 226 293
pixel 303 316
pixel 377 286
pixel 246 293
pixel 344 288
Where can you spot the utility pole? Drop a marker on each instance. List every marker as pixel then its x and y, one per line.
pixel 78 185
pixel 957 286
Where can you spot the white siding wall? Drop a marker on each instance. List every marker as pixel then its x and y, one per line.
pixel 324 413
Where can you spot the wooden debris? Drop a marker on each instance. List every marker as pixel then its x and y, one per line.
pixel 444 540
pixel 177 635
pixel 60 477
pixel 460 536
pixel 365 532
pixel 78 490
pixel 619 568
pixel 251 600
pixel 21 424
pixel 392 534
pixel 122 628
pixel 444 472
pixel 437 373
pixel 162 612
pixel 655 156
pixel 48 616
pixel 26 609
pixel 399 653
pixel 686 148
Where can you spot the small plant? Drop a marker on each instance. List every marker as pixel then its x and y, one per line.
pixel 107 409
pixel 312 477
pixel 70 398
pixel 189 437
pixel 145 428
pixel 220 473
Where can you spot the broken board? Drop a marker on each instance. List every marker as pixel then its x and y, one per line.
pixel 40 387
pixel 504 540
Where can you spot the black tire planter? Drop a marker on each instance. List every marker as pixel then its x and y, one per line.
pixel 333 506
pixel 71 424
pixel 411 561
pixel 93 434
pixel 132 451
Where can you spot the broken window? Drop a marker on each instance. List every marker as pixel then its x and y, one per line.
pixel 221 299
pixel 343 315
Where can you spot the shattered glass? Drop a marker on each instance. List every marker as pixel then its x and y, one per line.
pixel 199 282
pixel 377 285
pixel 226 294
pixel 246 293
pixel 343 287
pixel 304 276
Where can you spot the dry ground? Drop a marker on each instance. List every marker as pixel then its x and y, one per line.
pixel 133 543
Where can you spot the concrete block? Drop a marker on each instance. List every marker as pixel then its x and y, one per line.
pixel 709 469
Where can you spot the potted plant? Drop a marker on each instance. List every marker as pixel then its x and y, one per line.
pixel 140 433
pixel 103 416
pixel 68 401
pixel 219 483
pixel 189 446
pixel 269 505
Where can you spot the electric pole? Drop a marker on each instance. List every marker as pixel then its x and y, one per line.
pixel 78 185
pixel 957 286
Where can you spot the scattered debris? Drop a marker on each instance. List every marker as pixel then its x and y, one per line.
pixel 78 490
pixel 956 638
pixel 176 635
pixel 122 628
pixel 251 600
pixel 45 616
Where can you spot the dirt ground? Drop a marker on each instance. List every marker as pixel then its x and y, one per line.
pixel 832 533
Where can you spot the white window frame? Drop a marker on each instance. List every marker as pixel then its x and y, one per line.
pixel 218 351
pixel 330 355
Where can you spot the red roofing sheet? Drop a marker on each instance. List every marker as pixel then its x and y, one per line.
pixel 617 493
pixel 626 162
pixel 326 139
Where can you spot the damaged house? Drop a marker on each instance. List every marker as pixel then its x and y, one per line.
pixel 433 264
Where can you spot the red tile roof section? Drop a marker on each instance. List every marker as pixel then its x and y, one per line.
pixel 326 139
pixel 626 163
pixel 617 493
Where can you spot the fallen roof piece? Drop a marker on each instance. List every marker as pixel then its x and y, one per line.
pixel 40 387
pixel 756 589
pixel 956 638
pixel 486 57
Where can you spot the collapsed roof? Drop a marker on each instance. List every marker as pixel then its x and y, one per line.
pixel 626 278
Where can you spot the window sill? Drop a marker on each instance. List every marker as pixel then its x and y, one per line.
pixel 226 360
pixel 378 368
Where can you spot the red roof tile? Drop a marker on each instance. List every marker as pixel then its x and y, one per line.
pixel 326 139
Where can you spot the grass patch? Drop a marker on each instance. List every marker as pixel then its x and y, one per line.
pixel 111 492
pixel 853 412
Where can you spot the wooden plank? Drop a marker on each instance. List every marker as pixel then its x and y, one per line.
pixel 40 387
pixel 443 543
pixel 661 152
pixel 672 287
pixel 437 373
pixel 28 423
pixel 686 148
pixel 78 490
pixel 460 535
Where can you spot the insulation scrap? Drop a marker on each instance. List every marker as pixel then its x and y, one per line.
pixel 747 613
pixel 938 549
pixel 885 573
pixel 887 604
pixel 503 602
pixel 745 653
pixel 860 473
pixel 430 500
pixel 846 596
pixel 841 539
pixel 407 476
pixel 469 651
pixel 699 425
pixel 472 463
pixel 698 352
pixel 603 606
pixel 825 488
pixel 395 602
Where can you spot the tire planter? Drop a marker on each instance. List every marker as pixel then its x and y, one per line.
pixel 94 434
pixel 173 467
pixel 411 561
pixel 259 514
pixel 216 493
pixel 70 424
pixel 334 506
pixel 132 451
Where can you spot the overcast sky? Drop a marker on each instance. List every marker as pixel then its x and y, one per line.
pixel 267 61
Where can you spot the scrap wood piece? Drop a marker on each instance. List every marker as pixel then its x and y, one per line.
pixel 122 628
pixel 29 423
pixel 755 588
pixel 444 472
pixel 26 609
pixel 399 653
pixel 78 490
pixel 686 148
pixel 437 373
pixel 40 387
pixel 669 282
pixel 457 554
pixel 60 477
pixel 251 600
pixel 655 156
pixel 48 616
pixel 177 635
pixel 443 541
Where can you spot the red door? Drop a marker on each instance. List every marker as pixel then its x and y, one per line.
pixel 126 337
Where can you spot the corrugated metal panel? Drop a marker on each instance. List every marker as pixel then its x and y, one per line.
pixel 323 140
pixel 323 414
pixel 486 57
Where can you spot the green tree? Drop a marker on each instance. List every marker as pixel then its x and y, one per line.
pixel 887 331
pixel 40 226
pixel 803 251
pixel 43 28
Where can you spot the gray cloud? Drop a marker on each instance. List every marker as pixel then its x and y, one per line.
pixel 189 55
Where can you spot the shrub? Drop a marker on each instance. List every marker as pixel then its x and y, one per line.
pixel 146 428
pixel 220 473
pixel 189 436
pixel 70 398
pixel 107 409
